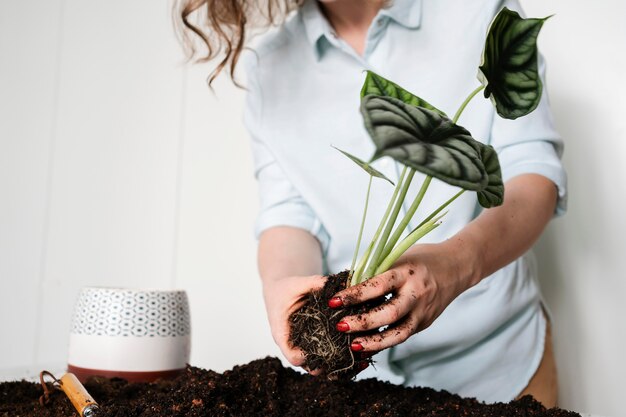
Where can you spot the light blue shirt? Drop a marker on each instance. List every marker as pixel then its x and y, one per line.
pixel 304 85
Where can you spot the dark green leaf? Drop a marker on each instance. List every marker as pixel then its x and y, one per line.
pixel 509 64
pixel 493 194
pixel 379 86
pixel 367 167
pixel 424 140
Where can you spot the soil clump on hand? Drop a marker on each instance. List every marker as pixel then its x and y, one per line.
pixel 313 328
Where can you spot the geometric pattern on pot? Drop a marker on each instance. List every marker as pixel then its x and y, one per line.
pixel 119 312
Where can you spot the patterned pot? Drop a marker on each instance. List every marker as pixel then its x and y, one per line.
pixel 135 334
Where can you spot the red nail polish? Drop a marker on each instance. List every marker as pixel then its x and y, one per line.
pixel 356 347
pixel 335 302
pixel 342 326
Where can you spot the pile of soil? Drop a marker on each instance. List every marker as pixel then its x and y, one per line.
pixel 261 388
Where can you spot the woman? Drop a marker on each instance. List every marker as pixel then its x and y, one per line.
pixel 466 313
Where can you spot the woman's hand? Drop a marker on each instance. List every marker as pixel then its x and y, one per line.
pixel 290 260
pixel 283 297
pixel 423 282
pixel 428 277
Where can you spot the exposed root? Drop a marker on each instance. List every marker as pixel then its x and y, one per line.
pixel 313 329
pixel 326 346
pixel 342 370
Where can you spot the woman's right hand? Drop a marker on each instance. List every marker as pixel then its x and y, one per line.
pixel 282 297
pixel 290 261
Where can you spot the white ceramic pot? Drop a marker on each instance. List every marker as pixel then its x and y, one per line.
pixel 136 334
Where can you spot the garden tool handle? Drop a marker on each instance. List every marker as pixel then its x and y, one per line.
pixel 78 395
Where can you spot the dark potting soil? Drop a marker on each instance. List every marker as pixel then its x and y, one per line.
pixel 261 388
pixel 313 329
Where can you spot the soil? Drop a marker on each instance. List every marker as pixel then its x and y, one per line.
pixel 313 329
pixel 261 388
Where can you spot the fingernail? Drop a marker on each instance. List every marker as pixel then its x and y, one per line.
pixel 335 302
pixel 356 347
pixel 363 365
pixel 342 326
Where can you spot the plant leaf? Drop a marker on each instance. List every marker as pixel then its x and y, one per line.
pixel 424 140
pixel 493 194
pixel 367 167
pixel 509 64
pixel 379 86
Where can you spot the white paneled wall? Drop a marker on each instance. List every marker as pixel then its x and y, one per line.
pixel 118 166
pixel 582 255
pixel 29 76
pixel 114 173
pixel 216 257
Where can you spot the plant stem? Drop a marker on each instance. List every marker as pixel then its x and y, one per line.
pixel 386 254
pixel 384 265
pixel 405 221
pixel 441 207
pixel 467 100
pixel 407 242
pixel 358 241
pixel 371 268
pixel 358 273
pixel 356 277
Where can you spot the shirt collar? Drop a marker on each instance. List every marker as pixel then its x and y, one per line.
pixel 407 13
pixel 316 26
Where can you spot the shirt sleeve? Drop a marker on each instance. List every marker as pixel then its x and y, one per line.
pixel 531 145
pixel 280 203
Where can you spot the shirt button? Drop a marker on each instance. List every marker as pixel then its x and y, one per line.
pixel 380 22
pixel 334 34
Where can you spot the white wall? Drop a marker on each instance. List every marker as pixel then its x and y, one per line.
pixel 119 167
pixel 582 255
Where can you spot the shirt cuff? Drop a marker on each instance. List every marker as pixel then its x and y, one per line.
pixel 537 157
pixel 293 215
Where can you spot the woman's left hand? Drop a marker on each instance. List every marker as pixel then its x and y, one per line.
pixel 423 282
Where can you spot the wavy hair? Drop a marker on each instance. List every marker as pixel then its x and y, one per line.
pixel 223 27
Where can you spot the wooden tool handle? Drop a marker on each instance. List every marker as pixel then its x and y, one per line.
pixel 78 395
